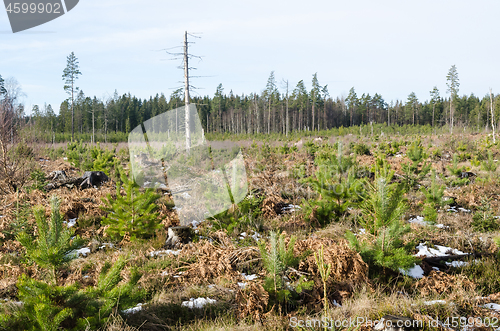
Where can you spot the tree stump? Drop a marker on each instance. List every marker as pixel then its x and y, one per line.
pixel 178 235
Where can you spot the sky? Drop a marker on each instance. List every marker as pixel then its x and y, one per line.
pixel 388 47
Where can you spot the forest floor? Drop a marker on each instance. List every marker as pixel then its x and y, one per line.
pixel 219 280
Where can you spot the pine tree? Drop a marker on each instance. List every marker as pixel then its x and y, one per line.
pixel 434 198
pixel 277 259
pixel 70 75
pixel 134 213
pixel 417 169
pixel 382 212
pixel 2 86
pixel 49 307
pixel 53 245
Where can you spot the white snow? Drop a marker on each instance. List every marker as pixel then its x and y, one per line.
pixel 434 302
pixel 197 303
pixel 133 310
pixel 418 220
pixel 290 208
pixel 456 264
pixel 195 224
pixel 442 226
pixel 104 245
pixel 82 251
pixel 71 222
pixel 242 285
pixel 166 252
pixel 249 277
pixel 423 250
pixel 186 195
pixel 415 272
pixel 454 210
pixel 256 236
pixel 362 231
pixel 421 221
pixel 494 306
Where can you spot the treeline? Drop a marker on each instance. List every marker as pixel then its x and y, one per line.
pixel 274 110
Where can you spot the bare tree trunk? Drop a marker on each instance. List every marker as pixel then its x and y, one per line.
pixel 186 93
pixel 492 115
pixel 451 114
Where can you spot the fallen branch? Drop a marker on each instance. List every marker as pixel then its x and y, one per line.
pixel 437 260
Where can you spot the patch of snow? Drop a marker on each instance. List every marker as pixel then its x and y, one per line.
pixel 249 277
pixel 195 224
pixel 415 272
pixel 434 302
pixel 336 304
pixel 362 231
pixel 436 268
pixel 452 209
pixel 494 306
pixel 256 236
pixel 133 310
pixel 457 264
pixel 421 221
pixel 65 158
pixel 418 220
pixel 442 226
pixel 243 235
pixel 423 250
pixel 290 208
pixel 197 303
pixel 86 276
pixel 211 286
pixel 185 195
pixel 242 285
pixel 104 245
pixel 72 222
pixel 164 273
pixel 82 251
pixel 464 210
pixel 164 252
